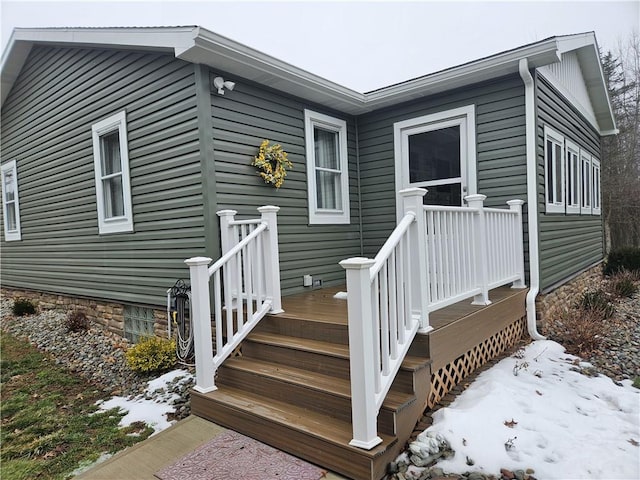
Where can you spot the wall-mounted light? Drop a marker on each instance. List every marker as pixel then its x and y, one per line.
pixel 220 84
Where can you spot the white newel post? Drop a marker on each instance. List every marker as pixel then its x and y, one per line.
pixel 227 241
pixel 202 339
pixel 516 205
pixel 412 200
pixel 482 266
pixel 361 352
pixel 272 256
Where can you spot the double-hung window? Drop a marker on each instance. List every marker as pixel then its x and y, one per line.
pixel 111 165
pixel 595 193
pixel 10 202
pixel 585 162
pixel 572 156
pixel 554 168
pixel 327 168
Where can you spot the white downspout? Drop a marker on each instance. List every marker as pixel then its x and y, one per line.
pixel 532 199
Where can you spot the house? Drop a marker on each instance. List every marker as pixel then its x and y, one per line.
pixel 120 147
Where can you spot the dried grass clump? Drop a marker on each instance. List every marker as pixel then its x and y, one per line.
pixel 579 330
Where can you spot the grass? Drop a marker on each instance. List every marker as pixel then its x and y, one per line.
pixel 48 420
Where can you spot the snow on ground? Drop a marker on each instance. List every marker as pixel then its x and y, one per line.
pixel 539 412
pixel 153 406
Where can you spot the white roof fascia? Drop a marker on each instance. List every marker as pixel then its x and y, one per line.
pixel 224 54
pixel 586 46
pixel 198 45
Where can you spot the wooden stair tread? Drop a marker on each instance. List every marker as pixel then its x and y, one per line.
pixel 311 423
pixel 410 363
pixel 394 400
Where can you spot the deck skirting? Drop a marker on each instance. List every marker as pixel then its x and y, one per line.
pixel 450 375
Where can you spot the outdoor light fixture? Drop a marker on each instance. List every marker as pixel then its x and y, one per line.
pixel 220 84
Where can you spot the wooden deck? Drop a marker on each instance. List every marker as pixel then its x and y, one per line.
pixel 290 387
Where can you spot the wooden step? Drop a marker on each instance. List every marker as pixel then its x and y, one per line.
pixel 304 433
pixel 291 326
pixel 315 391
pixel 320 357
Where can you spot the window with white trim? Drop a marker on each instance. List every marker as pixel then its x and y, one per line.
pixel 572 156
pixel 554 171
pixel 10 202
pixel 586 196
pixel 595 193
pixel 327 168
pixel 111 165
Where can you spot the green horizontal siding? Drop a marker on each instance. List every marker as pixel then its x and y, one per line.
pixel 46 128
pixel 568 242
pixel 242 119
pixel 500 151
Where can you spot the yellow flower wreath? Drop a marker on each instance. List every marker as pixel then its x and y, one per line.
pixel 273 162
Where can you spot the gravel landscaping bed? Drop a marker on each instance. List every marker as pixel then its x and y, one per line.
pixel 96 354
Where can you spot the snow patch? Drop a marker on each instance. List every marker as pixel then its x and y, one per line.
pixel 534 410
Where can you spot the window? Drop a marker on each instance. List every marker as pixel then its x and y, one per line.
pixel 572 155
pixel 138 323
pixel 585 204
pixel 595 175
pixel 554 170
pixel 111 164
pixel 10 202
pixel 327 168
pixel 437 152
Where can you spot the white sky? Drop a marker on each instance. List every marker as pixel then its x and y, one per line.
pixel 358 44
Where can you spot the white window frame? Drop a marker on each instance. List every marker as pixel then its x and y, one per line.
pixel 15 234
pixel 586 183
pixel 323 216
pixel 465 118
pixel 596 193
pixel 554 205
pixel 121 223
pixel 573 181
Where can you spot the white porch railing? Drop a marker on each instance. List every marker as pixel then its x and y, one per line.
pixel 246 286
pixel 435 257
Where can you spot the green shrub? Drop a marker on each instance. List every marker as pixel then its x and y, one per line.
pixel 77 321
pixel 152 354
pixel 22 307
pixel 623 259
pixel 623 284
pixel 596 301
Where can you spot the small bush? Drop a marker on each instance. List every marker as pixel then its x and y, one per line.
pixel 623 259
pixel 22 307
pixel 77 321
pixel 596 301
pixel 623 284
pixel 152 354
pixel 579 331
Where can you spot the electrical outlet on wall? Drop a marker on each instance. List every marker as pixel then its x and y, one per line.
pixel 317 283
pixel 307 281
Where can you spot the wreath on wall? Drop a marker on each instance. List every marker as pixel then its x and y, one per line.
pixel 273 162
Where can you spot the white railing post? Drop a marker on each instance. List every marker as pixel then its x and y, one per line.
pixel 227 241
pixel 203 342
pixel 412 201
pixel 272 256
pixel 516 205
pixel 361 353
pixel 482 267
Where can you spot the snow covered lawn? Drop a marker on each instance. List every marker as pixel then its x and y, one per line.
pixel 535 410
pixel 153 406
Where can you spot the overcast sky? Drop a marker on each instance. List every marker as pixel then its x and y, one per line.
pixel 361 45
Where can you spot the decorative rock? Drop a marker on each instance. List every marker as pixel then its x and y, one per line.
pixel 98 355
pixel 508 474
pixel 519 474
